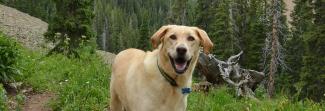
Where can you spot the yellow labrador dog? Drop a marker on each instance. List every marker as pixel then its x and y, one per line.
pixel 159 80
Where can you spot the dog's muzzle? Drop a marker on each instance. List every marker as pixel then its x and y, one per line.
pixel 180 63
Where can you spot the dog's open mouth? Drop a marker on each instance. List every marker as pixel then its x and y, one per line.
pixel 180 64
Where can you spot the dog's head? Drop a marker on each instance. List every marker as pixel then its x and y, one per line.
pixel 180 45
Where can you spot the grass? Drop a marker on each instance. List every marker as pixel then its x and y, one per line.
pixel 80 84
pixel 3 99
pixel 83 85
pixel 222 99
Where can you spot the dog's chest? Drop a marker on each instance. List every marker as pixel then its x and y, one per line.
pixel 156 95
pixel 164 100
pixel 152 92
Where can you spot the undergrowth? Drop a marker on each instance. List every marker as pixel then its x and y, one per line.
pixel 9 55
pixel 3 99
pixel 222 99
pixel 81 84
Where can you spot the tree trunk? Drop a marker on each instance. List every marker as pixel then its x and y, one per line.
pixel 216 71
pixel 105 34
pixel 274 49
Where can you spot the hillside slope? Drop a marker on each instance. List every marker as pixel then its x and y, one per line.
pixel 24 28
pixel 29 30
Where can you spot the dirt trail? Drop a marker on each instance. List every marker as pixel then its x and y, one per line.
pixel 38 102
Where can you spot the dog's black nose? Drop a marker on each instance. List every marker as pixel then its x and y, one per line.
pixel 181 50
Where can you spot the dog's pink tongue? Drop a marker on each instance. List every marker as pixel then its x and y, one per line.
pixel 180 66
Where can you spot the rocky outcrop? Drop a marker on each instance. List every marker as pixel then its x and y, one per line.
pixel 24 28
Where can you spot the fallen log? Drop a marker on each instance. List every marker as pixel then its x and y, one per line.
pixel 216 71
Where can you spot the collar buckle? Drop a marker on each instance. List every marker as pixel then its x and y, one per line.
pixel 186 90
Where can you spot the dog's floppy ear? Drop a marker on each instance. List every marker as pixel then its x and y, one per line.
pixel 156 38
pixel 205 40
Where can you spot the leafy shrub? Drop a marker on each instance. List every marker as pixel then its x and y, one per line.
pixel 3 99
pixel 8 58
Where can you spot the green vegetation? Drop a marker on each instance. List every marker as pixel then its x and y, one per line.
pixel 10 69
pixel 222 99
pixel 43 9
pixel 3 99
pixel 80 84
pixel 9 56
pixel 313 74
pixel 71 26
pixel 130 23
pixel 305 55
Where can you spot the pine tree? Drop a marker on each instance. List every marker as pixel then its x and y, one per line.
pixel 71 25
pixel 213 17
pixel 144 37
pixel 302 21
pixel 239 21
pixel 43 9
pixel 254 35
pixel 220 30
pixel 177 14
pixel 313 71
pixel 130 22
pixel 203 14
pixel 273 51
pixel 238 25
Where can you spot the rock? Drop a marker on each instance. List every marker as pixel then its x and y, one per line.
pixel 24 28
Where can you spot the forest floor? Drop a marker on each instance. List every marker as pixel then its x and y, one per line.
pixel 29 31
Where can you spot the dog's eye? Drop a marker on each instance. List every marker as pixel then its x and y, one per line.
pixel 173 37
pixel 190 38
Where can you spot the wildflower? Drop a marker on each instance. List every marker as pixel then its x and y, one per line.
pixel 58 34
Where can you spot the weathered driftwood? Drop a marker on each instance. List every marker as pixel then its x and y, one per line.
pixel 217 72
pixel 209 68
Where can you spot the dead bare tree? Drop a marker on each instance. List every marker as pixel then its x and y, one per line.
pixel 273 49
pixel 245 81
